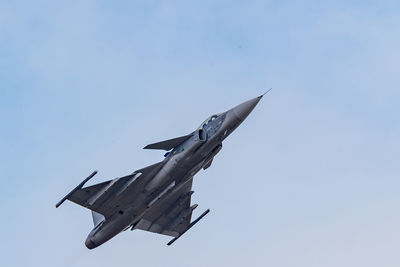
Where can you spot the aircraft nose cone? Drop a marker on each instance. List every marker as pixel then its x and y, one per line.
pixel 90 244
pixel 243 110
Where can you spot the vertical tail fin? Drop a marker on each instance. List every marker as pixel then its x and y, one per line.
pixel 97 218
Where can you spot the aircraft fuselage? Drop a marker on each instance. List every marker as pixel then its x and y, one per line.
pixel 179 166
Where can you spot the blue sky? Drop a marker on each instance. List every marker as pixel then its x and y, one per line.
pixel 310 179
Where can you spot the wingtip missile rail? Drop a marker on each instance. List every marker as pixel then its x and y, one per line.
pixel 76 188
pixel 190 226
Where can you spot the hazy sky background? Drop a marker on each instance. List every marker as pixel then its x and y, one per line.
pixel 310 179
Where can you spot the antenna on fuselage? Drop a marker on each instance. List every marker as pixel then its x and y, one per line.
pixel 266 92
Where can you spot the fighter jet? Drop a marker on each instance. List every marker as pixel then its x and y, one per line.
pixel 157 198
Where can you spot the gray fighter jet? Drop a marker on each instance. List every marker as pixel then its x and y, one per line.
pixel 157 198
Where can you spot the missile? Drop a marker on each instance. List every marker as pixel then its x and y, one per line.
pixel 76 188
pixel 190 226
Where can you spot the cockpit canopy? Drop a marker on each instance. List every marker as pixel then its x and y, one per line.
pixel 207 121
